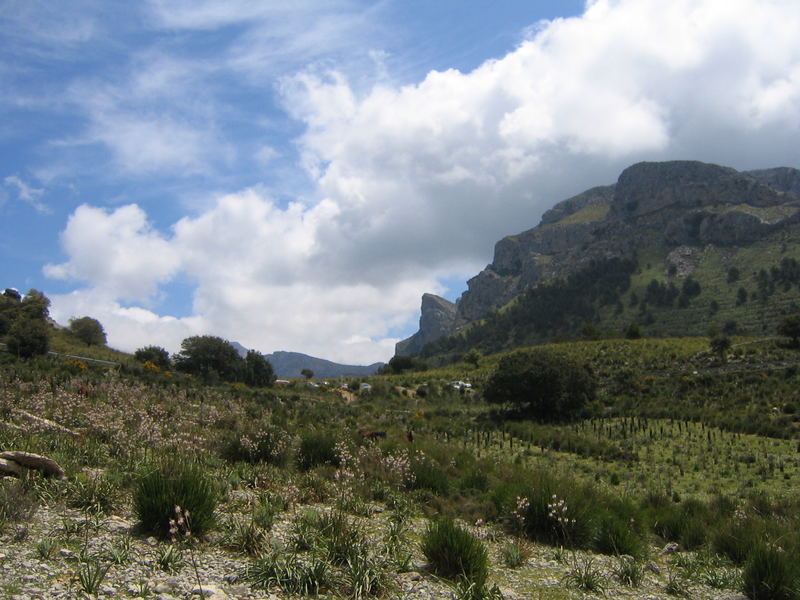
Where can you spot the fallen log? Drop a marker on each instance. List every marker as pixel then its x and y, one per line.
pixel 45 423
pixel 34 461
pixel 8 467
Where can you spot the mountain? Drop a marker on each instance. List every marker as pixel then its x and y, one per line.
pixel 290 364
pixel 672 247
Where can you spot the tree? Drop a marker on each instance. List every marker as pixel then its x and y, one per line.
pixel 88 330
pixel 258 371
pixel 633 332
pixel 209 357
pixel 790 327
pixel 35 305
pixel 473 357
pixel 543 384
pixel 720 344
pixel 307 373
pixel 399 364
pixel 153 354
pixel 28 337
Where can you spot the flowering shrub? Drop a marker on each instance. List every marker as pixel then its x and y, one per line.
pixel 264 443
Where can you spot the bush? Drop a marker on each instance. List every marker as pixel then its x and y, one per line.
pixel 557 511
pixel 454 553
pixel 317 448
pixel 543 384
pixel 771 574
pixel 170 483
pixel 429 476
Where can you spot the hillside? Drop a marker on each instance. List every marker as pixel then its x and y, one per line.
pixel 291 364
pixel 677 482
pixel 672 247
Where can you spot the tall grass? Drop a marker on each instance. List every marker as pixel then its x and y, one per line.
pixel 170 482
pixel 454 552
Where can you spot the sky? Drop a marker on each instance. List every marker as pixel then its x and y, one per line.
pixel 294 176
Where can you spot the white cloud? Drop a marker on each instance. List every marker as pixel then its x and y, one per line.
pixel 258 273
pixel 27 193
pixel 438 170
pixel 116 252
pixel 417 182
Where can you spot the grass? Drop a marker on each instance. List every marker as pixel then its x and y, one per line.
pixel 453 552
pixel 171 483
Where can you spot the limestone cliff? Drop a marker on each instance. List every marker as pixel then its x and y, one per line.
pixel 652 205
pixel 437 319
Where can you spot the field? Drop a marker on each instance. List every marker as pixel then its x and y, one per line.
pixel 680 480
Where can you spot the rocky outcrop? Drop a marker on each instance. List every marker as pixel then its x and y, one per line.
pixel 783 179
pixel 665 205
pixel 648 187
pixel 437 319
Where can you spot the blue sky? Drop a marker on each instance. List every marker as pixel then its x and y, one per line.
pixel 295 178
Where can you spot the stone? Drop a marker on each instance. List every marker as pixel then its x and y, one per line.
pixel 671 548
pixel 212 592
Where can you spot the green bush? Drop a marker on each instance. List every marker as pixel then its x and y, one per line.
pixel 543 384
pixel 559 512
pixel 172 482
pixel 454 553
pixel 771 574
pixel 615 535
pixel 429 476
pixel 317 448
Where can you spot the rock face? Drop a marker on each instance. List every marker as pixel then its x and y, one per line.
pixel 437 319
pixel 667 204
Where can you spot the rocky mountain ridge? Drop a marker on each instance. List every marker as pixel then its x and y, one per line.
pixel 675 207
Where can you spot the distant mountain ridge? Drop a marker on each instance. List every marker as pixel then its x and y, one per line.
pixel 290 364
pixel 675 220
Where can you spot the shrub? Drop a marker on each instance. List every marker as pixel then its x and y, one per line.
pixel 615 535
pixel 317 448
pixel 559 512
pixel 429 476
pixel 770 574
pixel 453 552
pixel 170 483
pixel 543 384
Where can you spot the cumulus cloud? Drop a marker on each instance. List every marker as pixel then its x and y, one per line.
pixel 257 275
pixel 438 170
pixel 416 182
pixel 116 252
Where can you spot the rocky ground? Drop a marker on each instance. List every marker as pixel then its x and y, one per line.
pixel 42 558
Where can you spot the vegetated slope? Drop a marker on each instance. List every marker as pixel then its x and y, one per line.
pixel 672 247
pixel 296 472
